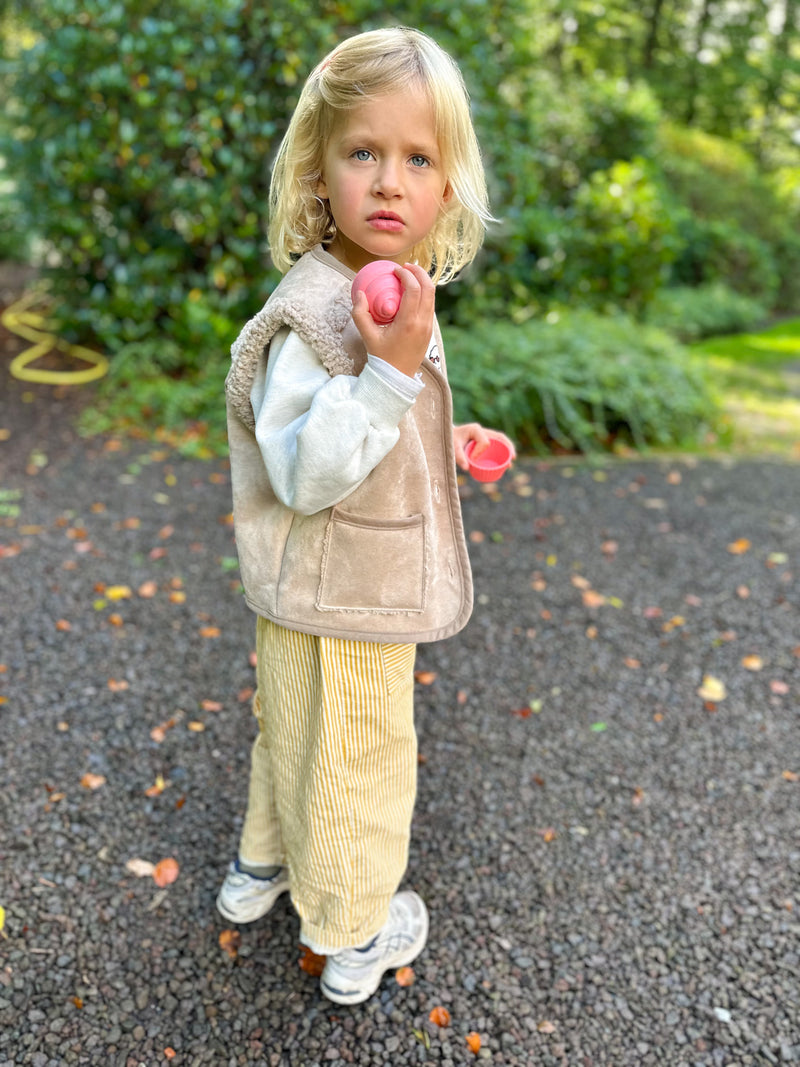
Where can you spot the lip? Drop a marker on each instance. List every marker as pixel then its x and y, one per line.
pixel 385 220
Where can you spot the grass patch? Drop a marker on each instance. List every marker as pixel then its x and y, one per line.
pixel 755 378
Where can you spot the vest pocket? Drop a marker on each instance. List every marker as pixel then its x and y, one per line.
pixel 375 565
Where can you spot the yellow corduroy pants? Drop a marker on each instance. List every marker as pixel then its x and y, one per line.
pixel 333 778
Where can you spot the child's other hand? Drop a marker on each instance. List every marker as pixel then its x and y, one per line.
pixel 473 431
pixel 405 340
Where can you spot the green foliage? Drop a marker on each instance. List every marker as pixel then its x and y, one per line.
pixel 578 380
pixel 691 313
pixel 623 240
pixel 140 140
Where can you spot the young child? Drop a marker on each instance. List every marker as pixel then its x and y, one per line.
pixel 348 525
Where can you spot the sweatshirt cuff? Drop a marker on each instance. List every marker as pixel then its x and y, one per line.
pixel 409 388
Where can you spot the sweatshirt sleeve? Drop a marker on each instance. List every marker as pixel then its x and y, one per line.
pixel 320 436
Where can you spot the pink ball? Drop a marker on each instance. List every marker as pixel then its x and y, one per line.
pixel 382 288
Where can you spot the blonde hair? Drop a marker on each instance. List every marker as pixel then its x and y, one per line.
pixel 369 65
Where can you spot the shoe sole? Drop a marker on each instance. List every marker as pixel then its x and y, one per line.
pixel 243 917
pixel 400 959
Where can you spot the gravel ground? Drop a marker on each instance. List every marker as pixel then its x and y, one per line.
pixel 611 859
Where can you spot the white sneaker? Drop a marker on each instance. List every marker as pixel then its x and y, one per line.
pixel 352 975
pixel 244 898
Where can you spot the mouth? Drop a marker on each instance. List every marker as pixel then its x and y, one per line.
pixel 385 220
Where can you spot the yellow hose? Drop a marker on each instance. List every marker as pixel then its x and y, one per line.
pixel 21 321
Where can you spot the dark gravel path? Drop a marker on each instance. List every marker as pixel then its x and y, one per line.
pixel 612 863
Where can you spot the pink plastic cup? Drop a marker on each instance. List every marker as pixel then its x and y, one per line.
pixel 382 288
pixel 492 463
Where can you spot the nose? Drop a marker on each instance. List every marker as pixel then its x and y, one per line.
pixel 387 180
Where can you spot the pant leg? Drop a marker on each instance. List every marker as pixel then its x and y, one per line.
pixel 260 842
pixel 340 727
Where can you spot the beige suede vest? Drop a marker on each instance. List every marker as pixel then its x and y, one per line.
pixel 389 562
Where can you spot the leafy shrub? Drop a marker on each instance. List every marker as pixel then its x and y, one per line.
pixel 718 251
pixel 141 138
pixel 578 380
pixel 704 311
pixel 622 239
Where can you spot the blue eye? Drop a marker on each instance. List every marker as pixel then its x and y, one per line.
pixel 362 155
pixel 420 161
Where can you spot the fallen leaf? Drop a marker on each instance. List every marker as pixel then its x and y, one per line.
pixel 598 727
pixel 439 1016
pixel 739 547
pixel 118 592
pixel 211 705
pixel 148 589
pixel 141 868
pixel 157 788
pixel 118 685
pixel 634 664
pixel 674 623
pixel 652 613
pixel 522 713
pixel 77 1002
pixel 593 599
pixel 712 689
pixel 310 962
pixel 210 631
pixel 170 1053
pixel 549 835
pixel 229 941
pixel 752 663
pixel 165 872
pixel 546 1027
pixel 165 532
pixel 405 977
pixel 92 781
pixel 779 688
pixel 116 620
pixel 2 920
pixel 63 626
pixel 790 776
pixel 425 677
pixel 476 537
pixel 743 592
pixel 474 1042
pixel 196 727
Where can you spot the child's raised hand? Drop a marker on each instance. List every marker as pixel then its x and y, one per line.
pixel 404 341
pixel 473 431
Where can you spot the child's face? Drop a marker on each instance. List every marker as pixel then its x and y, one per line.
pixel 382 174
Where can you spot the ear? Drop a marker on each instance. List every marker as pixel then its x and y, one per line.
pixel 448 194
pixel 321 189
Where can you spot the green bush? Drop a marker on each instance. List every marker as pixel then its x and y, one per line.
pixel 140 140
pixel 718 251
pixel 622 239
pixel 704 311
pixel 579 381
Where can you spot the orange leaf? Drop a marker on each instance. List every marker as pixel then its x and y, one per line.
pixel 229 941
pixel 592 599
pixel 752 663
pixel 405 977
pixel 196 727
pixel 310 962
pixel 440 1016
pixel 165 532
pixel 148 589
pixel 63 626
pixel 166 871
pixel 474 1042
pixel 210 631
pixel 170 1053
pixel 92 781
pixel 790 776
pixel 739 547
pixel 77 1002
pixel 211 705
pixel 425 677
pixel 118 685
pixel 116 620
pixel 546 1027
